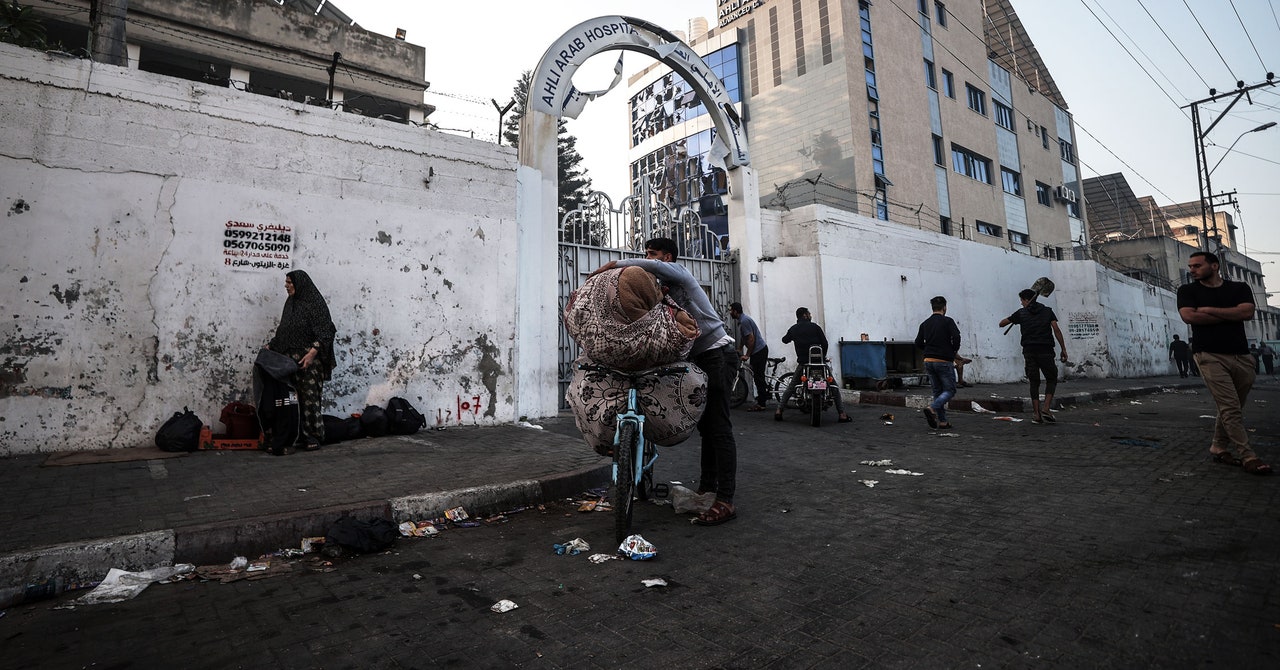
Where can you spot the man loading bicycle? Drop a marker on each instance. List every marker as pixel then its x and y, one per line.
pixel 714 352
pixel 805 333
pixel 754 350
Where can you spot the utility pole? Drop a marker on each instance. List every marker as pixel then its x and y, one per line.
pixel 106 32
pixel 1208 218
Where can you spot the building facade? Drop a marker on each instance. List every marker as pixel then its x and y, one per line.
pixel 941 117
pixel 301 50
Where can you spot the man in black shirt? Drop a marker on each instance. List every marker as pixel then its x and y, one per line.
pixel 939 339
pixel 1039 327
pixel 1179 352
pixel 805 333
pixel 1216 310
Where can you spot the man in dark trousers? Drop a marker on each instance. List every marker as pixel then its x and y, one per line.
pixel 939 339
pixel 715 353
pixel 805 333
pixel 1180 353
pixel 751 340
pixel 1216 310
pixel 1039 327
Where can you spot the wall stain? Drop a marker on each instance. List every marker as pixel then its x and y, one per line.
pixel 18 207
pixel 68 297
pixel 384 238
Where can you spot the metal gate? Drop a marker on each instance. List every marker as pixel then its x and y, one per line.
pixel 597 233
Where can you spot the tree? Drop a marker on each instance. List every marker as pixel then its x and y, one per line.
pixel 575 185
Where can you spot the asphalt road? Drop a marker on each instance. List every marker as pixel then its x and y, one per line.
pixel 1106 540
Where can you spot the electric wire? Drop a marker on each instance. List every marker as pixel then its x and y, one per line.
pixel 1141 51
pixel 1210 39
pixel 1174 44
pixel 1135 59
pixel 1247 35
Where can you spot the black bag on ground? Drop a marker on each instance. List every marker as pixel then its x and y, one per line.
pixel 181 432
pixel 374 421
pixel 375 534
pixel 340 430
pixel 403 418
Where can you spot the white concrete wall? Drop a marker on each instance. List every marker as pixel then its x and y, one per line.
pixel 860 275
pixel 118 306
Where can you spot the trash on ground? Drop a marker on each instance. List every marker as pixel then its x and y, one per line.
pixel 1208 416
pixel 456 514
pixel 601 558
pixel 637 548
pixel 1135 402
pixel 975 407
pixel 947 434
pixel 258 566
pixel 886 417
pixel 685 500
pixel 1006 418
pixel 656 581
pixel 418 529
pixel 503 606
pixel 882 463
pixel 310 544
pixel 903 472
pixel 573 547
pixel 526 424
pixel 120 585
pixel 205 495
pixel 868 482
pixel 417 576
pixel 588 505
pixel 238 563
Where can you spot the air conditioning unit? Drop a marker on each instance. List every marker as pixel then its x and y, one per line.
pixel 1064 194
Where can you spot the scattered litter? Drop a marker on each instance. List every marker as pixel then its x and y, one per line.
pixel 868 482
pixel 239 563
pixel 685 500
pixel 456 514
pixel 656 581
pixel 948 434
pixel 886 417
pixel 883 463
pixel 258 566
pixel 637 548
pixel 903 472
pixel 888 423
pixel 418 529
pixel 1135 402
pixel 1208 416
pixel 526 424
pixel 572 547
pixel 1184 474
pixel 974 406
pixel 302 490
pixel 206 495
pixel 310 544
pixel 588 506
pixel 503 606
pixel 120 585
pixel 601 558
pixel 1006 418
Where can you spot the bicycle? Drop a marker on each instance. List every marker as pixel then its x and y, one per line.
pixel 633 455
pixel 744 384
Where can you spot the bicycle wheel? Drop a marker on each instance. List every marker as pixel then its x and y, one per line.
pixel 741 388
pixel 797 398
pixel 622 492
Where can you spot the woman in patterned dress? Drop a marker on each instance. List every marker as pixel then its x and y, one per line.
pixel 306 335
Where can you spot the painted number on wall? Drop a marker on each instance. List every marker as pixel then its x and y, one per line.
pixel 257 246
pixel 463 407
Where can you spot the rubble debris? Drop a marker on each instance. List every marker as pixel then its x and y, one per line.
pixel 503 606
pixel 637 548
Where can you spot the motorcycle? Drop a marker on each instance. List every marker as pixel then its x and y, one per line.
pixel 819 384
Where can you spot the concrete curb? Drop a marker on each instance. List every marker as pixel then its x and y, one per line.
pixel 87 561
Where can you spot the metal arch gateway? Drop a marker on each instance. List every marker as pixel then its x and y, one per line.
pixel 551 90
pixel 537 355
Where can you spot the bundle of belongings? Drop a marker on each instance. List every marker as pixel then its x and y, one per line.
pixel 621 319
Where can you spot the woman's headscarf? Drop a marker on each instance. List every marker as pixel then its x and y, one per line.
pixel 304 321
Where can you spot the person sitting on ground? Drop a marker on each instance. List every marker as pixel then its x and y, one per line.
pixel 805 333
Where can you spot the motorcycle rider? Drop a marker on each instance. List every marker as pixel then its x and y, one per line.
pixel 805 333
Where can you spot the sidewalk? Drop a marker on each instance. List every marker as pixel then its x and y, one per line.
pixel 77 521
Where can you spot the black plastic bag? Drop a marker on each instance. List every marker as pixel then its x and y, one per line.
pixel 340 430
pixel 375 534
pixel 374 421
pixel 181 432
pixel 403 418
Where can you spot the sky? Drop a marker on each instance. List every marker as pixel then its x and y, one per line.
pixel 1127 120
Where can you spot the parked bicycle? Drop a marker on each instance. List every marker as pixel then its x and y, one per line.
pixel 633 455
pixel 744 385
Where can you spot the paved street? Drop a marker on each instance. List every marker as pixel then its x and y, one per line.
pixel 1106 540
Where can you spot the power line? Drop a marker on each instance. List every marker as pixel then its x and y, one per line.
pixel 1135 60
pixel 1247 35
pixel 1140 50
pixel 1206 36
pixel 1113 154
pixel 1175 45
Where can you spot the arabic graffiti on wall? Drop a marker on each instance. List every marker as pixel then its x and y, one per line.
pixel 257 246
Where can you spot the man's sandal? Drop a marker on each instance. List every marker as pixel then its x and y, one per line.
pixel 719 513
pixel 777 416
pixel 1255 466
pixel 930 417
pixel 1226 458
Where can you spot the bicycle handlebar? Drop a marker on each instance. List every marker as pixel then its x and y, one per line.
pixel 632 376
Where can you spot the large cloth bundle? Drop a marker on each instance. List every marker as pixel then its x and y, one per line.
pixel 671 404
pixel 621 319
